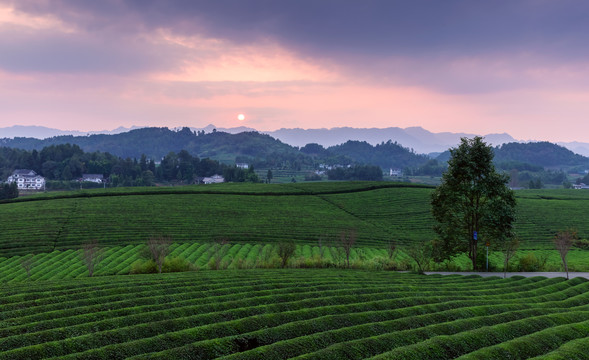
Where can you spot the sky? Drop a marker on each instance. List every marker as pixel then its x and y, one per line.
pixel 502 66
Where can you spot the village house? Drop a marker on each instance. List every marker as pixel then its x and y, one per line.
pixel 395 172
pixel 95 178
pixel 580 186
pixel 27 180
pixel 242 165
pixel 215 179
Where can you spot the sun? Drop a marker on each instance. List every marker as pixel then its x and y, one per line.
pixel 240 117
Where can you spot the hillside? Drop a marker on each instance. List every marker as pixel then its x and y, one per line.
pixel 537 154
pixel 543 154
pixel 386 155
pixel 158 142
pixel 260 213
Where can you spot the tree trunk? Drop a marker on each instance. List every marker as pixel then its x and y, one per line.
pixel 473 254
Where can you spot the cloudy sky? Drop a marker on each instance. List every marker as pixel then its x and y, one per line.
pixel 520 67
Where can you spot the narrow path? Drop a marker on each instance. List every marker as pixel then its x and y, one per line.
pixel 510 274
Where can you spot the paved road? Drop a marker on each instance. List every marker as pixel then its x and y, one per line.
pixel 510 274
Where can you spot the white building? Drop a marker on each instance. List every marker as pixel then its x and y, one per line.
pixel 396 172
pixel 27 180
pixel 580 186
pixel 215 179
pixel 95 178
pixel 242 165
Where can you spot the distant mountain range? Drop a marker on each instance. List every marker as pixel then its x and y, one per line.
pixel 265 151
pixel 420 140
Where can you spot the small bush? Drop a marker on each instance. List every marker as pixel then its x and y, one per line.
pixel 144 267
pixel 581 244
pixel 174 264
pixel 177 264
pixel 529 262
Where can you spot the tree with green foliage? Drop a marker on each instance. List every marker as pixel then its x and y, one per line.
pixel 269 176
pixel 473 198
pixel 8 191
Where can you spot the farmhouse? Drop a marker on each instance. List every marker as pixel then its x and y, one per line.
pixel 215 179
pixel 580 186
pixel 395 172
pixel 95 178
pixel 242 165
pixel 27 180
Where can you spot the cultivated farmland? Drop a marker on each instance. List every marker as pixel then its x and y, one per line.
pixel 52 310
pixel 302 314
pixel 260 214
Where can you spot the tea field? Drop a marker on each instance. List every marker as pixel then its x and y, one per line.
pixel 124 260
pixel 260 214
pixel 295 314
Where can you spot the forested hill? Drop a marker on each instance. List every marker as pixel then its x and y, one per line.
pixel 539 154
pixel 544 154
pixel 158 142
pixel 386 155
pixel 251 147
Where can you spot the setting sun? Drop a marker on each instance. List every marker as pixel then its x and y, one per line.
pixel 240 117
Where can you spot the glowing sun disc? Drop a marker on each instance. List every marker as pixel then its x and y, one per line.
pixel 240 117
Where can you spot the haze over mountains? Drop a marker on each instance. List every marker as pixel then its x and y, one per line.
pixel 420 140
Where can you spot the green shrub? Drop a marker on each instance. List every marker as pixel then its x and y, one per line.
pixel 177 264
pixel 143 267
pixel 529 262
pixel 174 264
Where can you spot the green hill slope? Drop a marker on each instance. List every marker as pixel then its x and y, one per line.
pixel 258 214
pixel 272 314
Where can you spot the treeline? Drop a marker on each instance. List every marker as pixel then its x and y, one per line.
pixel 8 191
pixel 62 164
pixel 357 172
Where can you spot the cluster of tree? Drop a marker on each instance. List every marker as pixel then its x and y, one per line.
pixel 584 179
pixel 235 174
pixel 536 180
pixel 544 154
pixel 357 172
pixel 430 168
pixel 185 168
pixel 61 164
pixel 386 154
pixel 8 191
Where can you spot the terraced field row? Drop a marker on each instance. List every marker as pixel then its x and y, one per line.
pixel 120 260
pixel 319 314
pixel 297 212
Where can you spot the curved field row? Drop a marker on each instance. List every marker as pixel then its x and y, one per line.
pixel 302 213
pixel 254 314
pixel 120 260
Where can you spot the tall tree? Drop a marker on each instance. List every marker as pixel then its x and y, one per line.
pixel 473 203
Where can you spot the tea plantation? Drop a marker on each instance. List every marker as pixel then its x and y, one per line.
pixel 260 213
pixel 302 314
pixel 250 309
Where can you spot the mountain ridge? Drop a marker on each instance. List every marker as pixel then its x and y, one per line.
pixel 417 138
